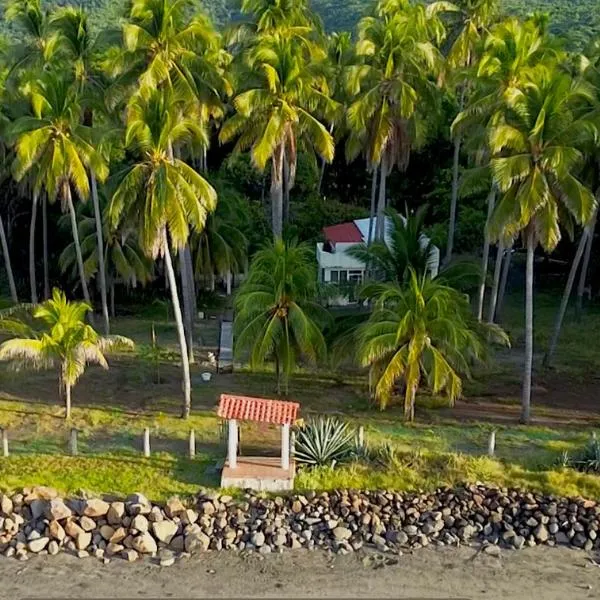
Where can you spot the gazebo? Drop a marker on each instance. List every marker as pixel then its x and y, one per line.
pixel 258 472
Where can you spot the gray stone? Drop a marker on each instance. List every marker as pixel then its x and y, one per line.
pixel 38 508
pixel 115 513
pixel 518 541
pixel 87 523
pixel 53 548
pixel 140 523
pixel 6 505
pixel 145 544
pixel 411 530
pixel 130 555
pixel 492 550
pixel 342 533
pixel 58 510
pixel 196 542
pixel 164 531
pixel 94 507
pixel 106 531
pixel 258 539
pixel 37 545
pixel 83 540
pixel 541 534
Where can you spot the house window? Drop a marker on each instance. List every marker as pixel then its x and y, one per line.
pixel 343 276
pixel 355 276
pixel 334 276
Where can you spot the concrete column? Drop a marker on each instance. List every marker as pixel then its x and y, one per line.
pixel 285 446
pixel 228 282
pixel 232 439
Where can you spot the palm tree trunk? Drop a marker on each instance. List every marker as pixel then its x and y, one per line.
pixel 373 204
pixel 64 391
pixel 286 189
pixel 491 200
pixel 454 199
pixel 187 309
pixel 187 384
pixel 7 264
pixel 409 403
pixel 526 392
pixel 32 281
pixel 380 227
pixel 191 282
pixel 496 282
pixel 503 283
pixel 112 299
pixel 277 192
pixel 45 244
pixel 586 261
pixel 100 243
pixel 583 244
pixel 73 215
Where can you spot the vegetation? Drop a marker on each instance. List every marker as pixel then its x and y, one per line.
pixel 324 442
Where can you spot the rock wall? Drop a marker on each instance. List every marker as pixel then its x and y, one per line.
pixel 37 521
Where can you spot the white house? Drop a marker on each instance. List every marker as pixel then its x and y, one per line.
pixel 337 266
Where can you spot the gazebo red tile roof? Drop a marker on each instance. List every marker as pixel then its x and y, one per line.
pixel 262 410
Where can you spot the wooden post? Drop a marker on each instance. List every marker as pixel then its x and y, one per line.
pixel 232 439
pixel 492 443
pixel 4 442
pixel 292 443
pixel 285 446
pixel 192 445
pixel 147 442
pixel 73 442
pixel 361 436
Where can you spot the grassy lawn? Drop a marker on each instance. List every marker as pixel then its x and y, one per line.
pixel 446 446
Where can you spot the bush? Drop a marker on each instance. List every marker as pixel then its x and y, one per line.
pixel 324 441
pixel 586 461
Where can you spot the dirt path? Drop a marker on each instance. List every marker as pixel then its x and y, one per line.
pixel 540 573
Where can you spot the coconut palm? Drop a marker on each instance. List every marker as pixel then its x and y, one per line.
pixel 221 248
pixel 280 102
pixel 77 46
pixel 423 332
pixel 161 196
pixel 64 340
pixel 276 317
pixel 56 151
pixel 393 87
pixel 475 17
pixel 535 160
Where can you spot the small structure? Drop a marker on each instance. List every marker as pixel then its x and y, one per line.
pixel 258 472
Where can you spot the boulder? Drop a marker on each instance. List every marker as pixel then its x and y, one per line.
pixel 196 541
pixel 94 507
pixel 145 544
pixel 139 523
pixel 115 513
pixel 58 510
pixel 164 531
pixel 37 545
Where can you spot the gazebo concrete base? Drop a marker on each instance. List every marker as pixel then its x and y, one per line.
pixel 263 473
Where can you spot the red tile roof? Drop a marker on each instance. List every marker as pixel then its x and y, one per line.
pixel 344 233
pixel 257 409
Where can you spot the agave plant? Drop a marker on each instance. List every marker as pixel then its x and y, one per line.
pixel 324 441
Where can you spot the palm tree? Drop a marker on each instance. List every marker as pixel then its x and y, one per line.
pixel 281 100
pixel 65 341
pixel 221 248
pixel 475 18
pixel 276 317
pixel 160 196
pixel 393 86
pixel 125 262
pixel 535 158
pixel 423 331
pixel 77 45
pixel 55 149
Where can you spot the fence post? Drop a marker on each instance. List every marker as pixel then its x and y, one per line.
pixel 361 436
pixel 192 445
pixel 146 442
pixel 73 442
pixel 492 443
pixel 4 442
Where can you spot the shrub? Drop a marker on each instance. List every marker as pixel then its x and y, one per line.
pixel 324 441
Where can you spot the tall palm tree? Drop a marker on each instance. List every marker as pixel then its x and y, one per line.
pixel 76 44
pixel 421 332
pixel 475 17
pixel 160 195
pixel 535 160
pixel 281 99
pixel 276 315
pixel 64 340
pixel 55 149
pixel 393 86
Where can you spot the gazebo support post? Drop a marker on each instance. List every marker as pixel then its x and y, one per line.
pixel 285 447
pixel 232 440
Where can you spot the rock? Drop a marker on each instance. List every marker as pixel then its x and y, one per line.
pixel 83 540
pixel 138 504
pixel 164 531
pixel 177 543
pixel 196 542
pixel 411 530
pixel 58 510
pixel 41 492
pixel 342 533
pixel 207 508
pixel 72 529
pixel 87 524
pixel 115 513
pixel 37 545
pixel 579 540
pixel 130 555
pixel 94 507
pixel 518 541
pixel 541 534
pixel 397 537
pixel 140 523
pixel 6 505
pixel 258 539
pixel 174 507
pixel 145 544
pixel 82 554
pixel 492 550
pixel 118 536
pixel 114 548
pixel 167 558
pixel 56 531
pixel 38 508
pixel 106 531
pixel 53 548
